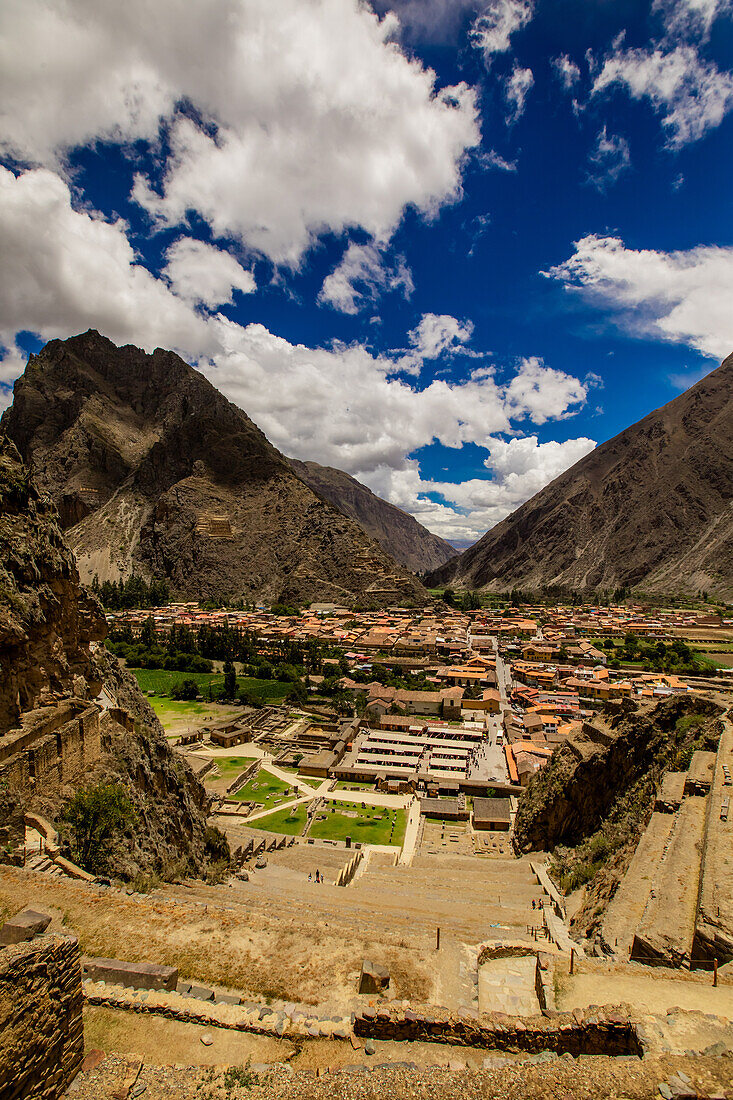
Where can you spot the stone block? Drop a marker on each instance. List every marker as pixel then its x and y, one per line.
pixel 23 926
pixel 201 993
pixel 374 978
pixel 135 975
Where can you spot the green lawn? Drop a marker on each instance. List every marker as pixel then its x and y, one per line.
pixel 161 681
pixel 263 788
pixel 291 822
pixel 347 785
pixel 228 766
pixel 372 826
pixel 172 709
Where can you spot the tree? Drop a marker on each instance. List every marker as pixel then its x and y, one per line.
pixel 230 680
pixel 185 689
pixel 297 694
pixel 91 821
pixel 147 633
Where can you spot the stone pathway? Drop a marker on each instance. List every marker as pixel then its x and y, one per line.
pixel 508 985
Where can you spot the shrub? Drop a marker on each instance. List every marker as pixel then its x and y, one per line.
pixel 91 820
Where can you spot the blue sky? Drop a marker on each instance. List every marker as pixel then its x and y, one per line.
pixel 445 245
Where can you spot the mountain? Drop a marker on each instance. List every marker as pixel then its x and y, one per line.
pixel 152 469
pixel 649 509
pixel 397 532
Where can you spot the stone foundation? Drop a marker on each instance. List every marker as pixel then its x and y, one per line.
pixel 40 1018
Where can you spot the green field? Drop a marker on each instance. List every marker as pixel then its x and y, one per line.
pixel 229 766
pixel 291 822
pixel 347 785
pixel 371 826
pixel 263 788
pixel 161 681
pixel 172 709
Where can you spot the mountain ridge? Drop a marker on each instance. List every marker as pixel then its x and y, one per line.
pixel 153 469
pixel 397 532
pixel 648 509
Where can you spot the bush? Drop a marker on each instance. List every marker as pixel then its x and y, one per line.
pixel 91 820
pixel 216 845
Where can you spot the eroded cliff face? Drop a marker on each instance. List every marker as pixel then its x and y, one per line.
pixel 169 838
pixel 569 798
pixel 591 804
pixel 46 621
pixel 58 729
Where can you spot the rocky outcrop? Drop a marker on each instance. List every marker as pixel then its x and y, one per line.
pixel 153 470
pixel 169 837
pixel 570 798
pixel 398 533
pixel 649 509
pixel 54 737
pixel 590 806
pixel 46 621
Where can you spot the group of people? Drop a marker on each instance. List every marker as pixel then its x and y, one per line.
pixel 319 876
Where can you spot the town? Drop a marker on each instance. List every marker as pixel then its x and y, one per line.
pixel 456 709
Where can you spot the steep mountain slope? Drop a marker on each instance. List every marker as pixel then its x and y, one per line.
pixel 649 509
pixel 50 672
pixel 398 533
pixel 153 469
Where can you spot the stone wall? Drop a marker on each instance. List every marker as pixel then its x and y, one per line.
pixel 54 746
pixel 40 1017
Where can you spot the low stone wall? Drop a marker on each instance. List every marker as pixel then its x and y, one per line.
pixel 611 1031
pixel 41 1017
pixel 608 1030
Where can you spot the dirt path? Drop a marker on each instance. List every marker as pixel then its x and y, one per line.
pixel 648 994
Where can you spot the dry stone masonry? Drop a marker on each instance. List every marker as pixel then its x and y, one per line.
pixel 40 1017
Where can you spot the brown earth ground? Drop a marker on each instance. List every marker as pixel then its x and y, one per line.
pixel 646 990
pixel 265 954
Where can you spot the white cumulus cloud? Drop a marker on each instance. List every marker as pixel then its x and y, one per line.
pixel 362 275
pixel 609 159
pixel 284 120
pixel 437 333
pixel 691 17
pixel 685 297
pixel 199 272
pixel 518 469
pixel 516 89
pixel 65 270
pixel 567 71
pixel 691 94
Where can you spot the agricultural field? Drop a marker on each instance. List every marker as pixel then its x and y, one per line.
pixel 161 681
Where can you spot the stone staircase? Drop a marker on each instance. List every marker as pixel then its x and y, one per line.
pixel 41 862
pixel 674 904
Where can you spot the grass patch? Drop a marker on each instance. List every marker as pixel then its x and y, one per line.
pixel 161 681
pixel 291 822
pixel 263 788
pixel 373 825
pixel 232 765
pixel 347 785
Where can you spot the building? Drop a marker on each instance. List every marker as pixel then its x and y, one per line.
pixel 492 813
